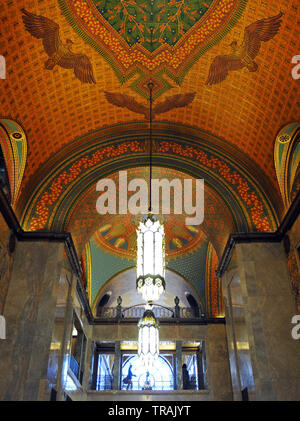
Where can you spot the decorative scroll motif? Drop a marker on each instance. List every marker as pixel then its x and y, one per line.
pixel 213 289
pixel 287 162
pixel 14 148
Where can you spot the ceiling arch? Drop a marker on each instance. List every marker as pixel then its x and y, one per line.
pixel 67 184
pixel 54 107
pixel 124 282
pixel 223 132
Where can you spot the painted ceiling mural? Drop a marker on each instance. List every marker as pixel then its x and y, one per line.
pixel 287 162
pixel 101 265
pixel 13 144
pixel 77 79
pixel 51 59
pixel 53 200
pixel 150 38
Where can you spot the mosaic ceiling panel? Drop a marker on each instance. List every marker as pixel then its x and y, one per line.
pixel 152 38
pixel 54 107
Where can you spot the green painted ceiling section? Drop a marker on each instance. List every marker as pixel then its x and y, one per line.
pixel 105 265
pixel 152 23
pixel 192 268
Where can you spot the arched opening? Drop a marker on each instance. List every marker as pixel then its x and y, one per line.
pixel 103 301
pixel 4 180
pixel 194 305
pixel 160 377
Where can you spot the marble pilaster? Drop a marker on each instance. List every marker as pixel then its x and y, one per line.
pixel 218 372
pixel 30 312
pixel 268 307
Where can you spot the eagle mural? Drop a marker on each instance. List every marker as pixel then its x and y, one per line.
pixel 173 101
pixel 59 54
pixel 243 56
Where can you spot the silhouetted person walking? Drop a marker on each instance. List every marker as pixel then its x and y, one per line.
pixel 128 378
pixel 185 377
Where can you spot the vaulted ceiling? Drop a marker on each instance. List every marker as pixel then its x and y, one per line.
pixel 83 124
pixel 54 107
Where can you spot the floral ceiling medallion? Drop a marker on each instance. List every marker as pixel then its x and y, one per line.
pixel 152 38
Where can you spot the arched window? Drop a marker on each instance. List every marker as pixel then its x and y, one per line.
pixel 4 181
pixel 194 305
pixel 104 300
pixel 160 377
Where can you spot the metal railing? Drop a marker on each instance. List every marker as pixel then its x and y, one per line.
pixel 137 311
pixel 104 382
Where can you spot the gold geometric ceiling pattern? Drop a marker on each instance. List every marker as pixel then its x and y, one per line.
pixel 54 108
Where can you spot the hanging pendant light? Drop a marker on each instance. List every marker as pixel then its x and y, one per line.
pixel 150 245
pixel 150 259
pixel 148 344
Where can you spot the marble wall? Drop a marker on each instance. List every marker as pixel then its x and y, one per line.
pixel 292 250
pixel 218 370
pixel 268 307
pixel 6 261
pixel 68 384
pixel 29 310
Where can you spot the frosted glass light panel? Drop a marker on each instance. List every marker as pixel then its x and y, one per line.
pixel 148 342
pixel 150 259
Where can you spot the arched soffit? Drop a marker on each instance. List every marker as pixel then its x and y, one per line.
pixel 228 172
pixel 287 162
pixel 124 284
pixel 14 149
pixel 198 271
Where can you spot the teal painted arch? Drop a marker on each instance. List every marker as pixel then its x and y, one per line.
pixel 169 160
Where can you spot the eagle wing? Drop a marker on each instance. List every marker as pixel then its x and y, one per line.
pixel 174 101
pixel 126 101
pixel 43 28
pixel 260 31
pixel 81 64
pixel 221 66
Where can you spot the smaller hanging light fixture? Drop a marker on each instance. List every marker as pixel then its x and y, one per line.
pixel 148 344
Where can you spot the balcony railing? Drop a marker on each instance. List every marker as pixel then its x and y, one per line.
pixel 137 311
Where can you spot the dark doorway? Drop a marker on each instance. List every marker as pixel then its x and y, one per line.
pixel 194 305
pixel 104 300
